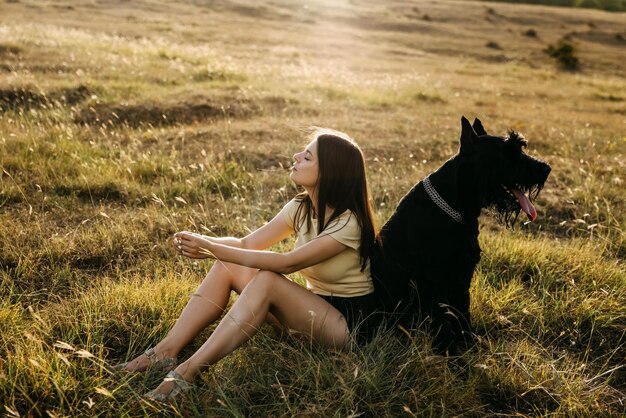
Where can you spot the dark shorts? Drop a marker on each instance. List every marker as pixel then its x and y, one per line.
pixel 362 313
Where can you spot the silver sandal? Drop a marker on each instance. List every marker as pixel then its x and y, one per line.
pixel 164 364
pixel 180 386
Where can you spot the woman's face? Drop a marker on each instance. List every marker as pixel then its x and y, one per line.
pixel 305 170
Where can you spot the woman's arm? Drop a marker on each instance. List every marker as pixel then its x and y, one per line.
pixel 229 241
pixel 313 252
pixel 267 235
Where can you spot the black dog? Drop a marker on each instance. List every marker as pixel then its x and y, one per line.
pixel 425 254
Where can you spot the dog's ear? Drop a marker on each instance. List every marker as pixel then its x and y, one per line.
pixel 478 127
pixel 468 135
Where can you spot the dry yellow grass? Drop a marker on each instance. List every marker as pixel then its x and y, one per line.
pixel 121 123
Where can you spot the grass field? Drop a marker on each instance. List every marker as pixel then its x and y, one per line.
pixel 611 5
pixel 124 122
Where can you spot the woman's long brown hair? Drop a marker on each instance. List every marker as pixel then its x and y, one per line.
pixel 342 185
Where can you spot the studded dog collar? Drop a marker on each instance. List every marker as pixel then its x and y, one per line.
pixel 439 201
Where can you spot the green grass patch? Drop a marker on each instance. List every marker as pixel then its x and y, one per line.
pixel 112 141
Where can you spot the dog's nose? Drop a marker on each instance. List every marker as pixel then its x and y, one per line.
pixel 546 169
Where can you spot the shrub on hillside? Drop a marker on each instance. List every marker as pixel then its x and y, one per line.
pixel 564 53
pixel 531 33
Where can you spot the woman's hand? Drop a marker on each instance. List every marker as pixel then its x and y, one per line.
pixel 193 245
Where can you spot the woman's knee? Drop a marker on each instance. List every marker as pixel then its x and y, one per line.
pixel 264 280
pixel 235 275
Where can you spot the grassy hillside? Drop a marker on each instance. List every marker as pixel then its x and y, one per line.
pixel 124 122
pixel 611 5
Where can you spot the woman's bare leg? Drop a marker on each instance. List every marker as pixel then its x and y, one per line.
pixel 204 307
pixel 295 307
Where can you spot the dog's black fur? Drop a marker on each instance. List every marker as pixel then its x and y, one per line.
pixel 423 260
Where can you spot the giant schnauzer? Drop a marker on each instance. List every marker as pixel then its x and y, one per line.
pixel 425 254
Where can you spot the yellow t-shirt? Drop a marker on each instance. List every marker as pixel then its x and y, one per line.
pixel 340 275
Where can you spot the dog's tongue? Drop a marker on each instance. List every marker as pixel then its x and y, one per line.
pixel 526 205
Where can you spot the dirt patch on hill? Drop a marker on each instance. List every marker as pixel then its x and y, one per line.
pixel 193 110
pixel 21 98
pixel 600 37
pixel 162 114
pixel 9 49
pixel 73 95
pixel 94 193
pixel 25 98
